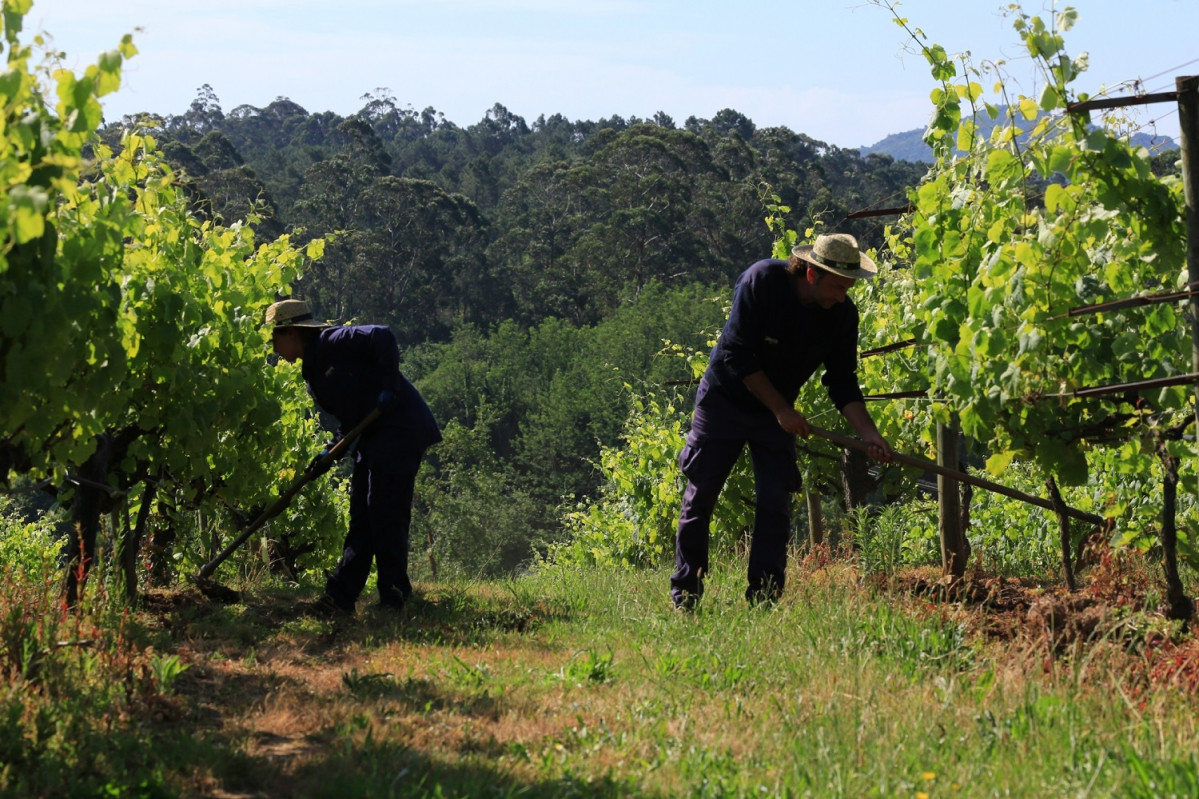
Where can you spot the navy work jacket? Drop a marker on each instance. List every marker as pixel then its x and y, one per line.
pixel 770 330
pixel 346 368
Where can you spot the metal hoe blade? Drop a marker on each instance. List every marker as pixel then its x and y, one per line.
pixel 923 463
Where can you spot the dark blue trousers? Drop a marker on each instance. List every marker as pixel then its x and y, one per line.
pixel 718 435
pixel 381 493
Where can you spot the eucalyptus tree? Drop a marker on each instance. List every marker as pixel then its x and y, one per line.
pixel 417 260
pixel 331 204
pixel 581 236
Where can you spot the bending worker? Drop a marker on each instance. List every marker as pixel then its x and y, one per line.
pixel 788 319
pixel 349 372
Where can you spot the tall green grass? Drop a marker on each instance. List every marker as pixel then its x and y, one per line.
pixel 574 682
pixel 836 691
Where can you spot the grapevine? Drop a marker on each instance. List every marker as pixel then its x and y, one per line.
pixel 132 347
pixel 1012 230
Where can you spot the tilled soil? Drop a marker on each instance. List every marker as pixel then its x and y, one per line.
pixel 1113 606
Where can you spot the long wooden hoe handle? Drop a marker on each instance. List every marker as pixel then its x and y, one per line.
pixel 922 463
pixel 284 499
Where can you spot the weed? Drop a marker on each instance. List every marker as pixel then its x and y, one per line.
pixel 80 691
pixel 1165 779
pixel 587 667
pixel 375 684
pixel 885 539
pixel 916 644
pixel 475 676
pixel 165 670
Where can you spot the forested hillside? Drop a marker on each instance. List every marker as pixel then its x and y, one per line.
pixel 507 219
pixel 531 270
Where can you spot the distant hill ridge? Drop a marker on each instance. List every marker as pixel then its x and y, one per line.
pixel 910 146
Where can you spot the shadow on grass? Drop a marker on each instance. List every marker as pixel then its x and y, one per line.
pixel 419 695
pixel 392 769
pixel 460 618
pixel 218 760
pixel 447 615
pixel 370 761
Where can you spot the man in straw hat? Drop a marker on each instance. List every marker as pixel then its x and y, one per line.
pixel 788 319
pixel 349 372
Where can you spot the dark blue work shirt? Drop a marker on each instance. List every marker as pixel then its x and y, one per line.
pixel 771 331
pixel 346 368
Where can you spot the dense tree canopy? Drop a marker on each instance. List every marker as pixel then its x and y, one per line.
pixel 557 218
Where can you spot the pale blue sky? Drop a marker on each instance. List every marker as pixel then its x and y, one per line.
pixel 838 70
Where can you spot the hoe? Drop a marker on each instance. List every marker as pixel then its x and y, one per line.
pixel 845 442
pixel 203 578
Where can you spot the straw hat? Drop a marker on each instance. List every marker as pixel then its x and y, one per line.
pixel 838 253
pixel 291 313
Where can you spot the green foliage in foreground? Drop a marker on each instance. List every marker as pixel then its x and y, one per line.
pixel 133 358
pixel 1021 233
pixel 632 523
pixel 581 682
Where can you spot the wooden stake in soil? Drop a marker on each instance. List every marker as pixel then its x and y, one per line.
pixel 815 518
pixel 949 506
pixel 1188 128
pixel 1063 521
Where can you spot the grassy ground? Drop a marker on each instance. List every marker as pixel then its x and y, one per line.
pixel 586 684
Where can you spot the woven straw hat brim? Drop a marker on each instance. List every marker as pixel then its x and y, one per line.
pixel 305 323
pixel 865 270
pixel 291 313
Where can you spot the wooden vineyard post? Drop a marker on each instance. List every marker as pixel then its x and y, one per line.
pixel 1063 523
pixel 815 518
pixel 1188 125
pixel 949 503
